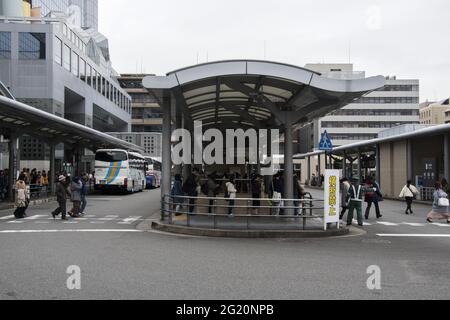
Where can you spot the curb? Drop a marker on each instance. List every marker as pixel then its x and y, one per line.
pixel 264 234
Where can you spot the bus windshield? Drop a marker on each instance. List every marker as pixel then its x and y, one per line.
pixel 111 156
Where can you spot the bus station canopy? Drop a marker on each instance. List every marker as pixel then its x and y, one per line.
pixel 256 94
pixel 23 119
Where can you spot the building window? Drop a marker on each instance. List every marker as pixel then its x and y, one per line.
pixel 75 65
pixel 32 46
pixel 58 51
pixel 5 45
pixel 66 57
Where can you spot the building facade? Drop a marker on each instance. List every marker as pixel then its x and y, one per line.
pixel 82 13
pixel 146 114
pixel 58 67
pixel 395 104
pixel 150 141
pixel 435 112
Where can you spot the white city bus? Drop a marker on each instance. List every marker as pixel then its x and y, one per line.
pixel 120 170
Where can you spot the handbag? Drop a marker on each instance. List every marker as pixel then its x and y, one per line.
pixel 443 202
pixel 414 195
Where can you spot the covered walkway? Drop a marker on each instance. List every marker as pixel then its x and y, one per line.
pixel 18 119
pixel 248 94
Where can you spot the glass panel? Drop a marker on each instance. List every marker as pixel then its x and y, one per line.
pixel 75 65
pixel 32 46
pixel 5 45
pixel 82 69
pixel 89 74
pixel 58 51
pixel 66 57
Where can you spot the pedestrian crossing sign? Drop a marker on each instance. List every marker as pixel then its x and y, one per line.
pixel 325 142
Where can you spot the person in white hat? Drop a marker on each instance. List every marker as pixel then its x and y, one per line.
pixel 61 197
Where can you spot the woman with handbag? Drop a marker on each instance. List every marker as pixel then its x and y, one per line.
pixel 440 205
pixel 409 192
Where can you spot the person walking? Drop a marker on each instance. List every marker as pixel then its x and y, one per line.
pixel 355 195
pixel 256 193
pixel 440 208
pixel 372 196
pixel 61 198
pixel 211 190
pixel 277 194
pixel 345 188
pixel 190 189
pixel 22 198
pixel 75 196
pixel 177 193
pixel 409 193
pixel 231 195
pixel 84 193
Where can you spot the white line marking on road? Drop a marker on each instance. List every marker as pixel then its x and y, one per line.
pixel 415 235
pixel 35 217
pixel 42 222
pixel 106 219
pixel 413 224
pixel 71 230
pixel 129 220
pixel 7 217
pixel 364 223
pixel 91 216
pixel 16 221
pixel 70 222
pixel 112 216
pixel 82 219
pixel 389 224
pixel 97 222
pixel 441 225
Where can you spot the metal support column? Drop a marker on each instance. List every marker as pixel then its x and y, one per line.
pixel 166 150
pixel 344 165
pixel 14 163
pixel 288 164
pixel 378 164
pixel 319 171
pixel 309 170
pixel 359 167
pixel 446 157
pixel 52 175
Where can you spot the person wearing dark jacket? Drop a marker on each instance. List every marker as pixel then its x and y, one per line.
pixel 61 198
pixel 75 197
pixel 256 193
pixel 190 189
pixel 84 192
pixel 373 195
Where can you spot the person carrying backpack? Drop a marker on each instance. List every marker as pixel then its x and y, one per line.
pixel 409 192
pixel 190 189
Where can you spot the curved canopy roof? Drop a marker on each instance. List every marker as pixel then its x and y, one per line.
pixel 48 127
pixel 258 94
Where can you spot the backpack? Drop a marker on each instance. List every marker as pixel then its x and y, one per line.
pixel 204 188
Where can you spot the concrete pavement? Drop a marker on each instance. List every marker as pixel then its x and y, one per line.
pixel 122 259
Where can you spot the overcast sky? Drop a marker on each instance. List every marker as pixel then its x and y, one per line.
pixel 406 38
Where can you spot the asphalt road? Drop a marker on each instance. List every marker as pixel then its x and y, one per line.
pixel 118 259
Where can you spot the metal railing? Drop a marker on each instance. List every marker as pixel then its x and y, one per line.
pixel 214 208
pixel 427 194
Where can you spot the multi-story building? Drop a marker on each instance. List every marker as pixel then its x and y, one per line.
pixel 150 141
pixel 434 112
pixel 83 13
pixel 395 104
pixel 58 67
pixel 146 114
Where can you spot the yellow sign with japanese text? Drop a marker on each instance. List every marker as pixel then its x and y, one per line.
pixel 331 197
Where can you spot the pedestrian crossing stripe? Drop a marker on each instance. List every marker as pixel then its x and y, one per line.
pixel 130 220
pixel 389 224
pixel 7 217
